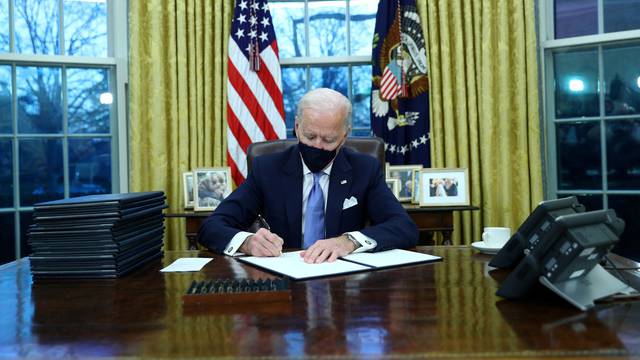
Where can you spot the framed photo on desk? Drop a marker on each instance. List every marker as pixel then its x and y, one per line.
pixel 187 187
pixel 211 186
pixel 444 187
pixel 394 186
pixel 406 179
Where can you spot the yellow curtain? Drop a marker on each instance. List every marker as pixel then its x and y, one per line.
pixel 177 109
pixel 484 106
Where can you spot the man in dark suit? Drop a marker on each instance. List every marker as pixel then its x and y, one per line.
pixel 315 195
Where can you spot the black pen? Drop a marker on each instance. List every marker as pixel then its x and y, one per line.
pixel 263 222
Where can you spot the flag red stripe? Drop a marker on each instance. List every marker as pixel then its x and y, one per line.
pixel 236 175
pixel 251 103
pixel 388 88
pixel 237 129
pixel 272 87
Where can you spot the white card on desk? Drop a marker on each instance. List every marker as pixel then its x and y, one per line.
pixel 388 258
pixel 291 264
pixel 187 264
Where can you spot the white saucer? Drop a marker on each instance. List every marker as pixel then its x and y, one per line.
pixel 483 248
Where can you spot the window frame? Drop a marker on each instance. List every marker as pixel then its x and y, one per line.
pixel 116 62
pixel 548 46
pixel 307 62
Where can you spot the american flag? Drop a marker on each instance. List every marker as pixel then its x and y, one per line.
pixel 255 111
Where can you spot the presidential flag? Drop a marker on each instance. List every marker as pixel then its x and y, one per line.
pixel 399 96
pixel 255 111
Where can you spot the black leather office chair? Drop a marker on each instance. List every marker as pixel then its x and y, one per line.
pixel 367 145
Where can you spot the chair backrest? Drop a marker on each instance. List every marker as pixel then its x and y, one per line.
pixel 366 145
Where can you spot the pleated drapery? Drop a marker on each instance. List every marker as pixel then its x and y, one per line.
pixel 483 85
pixel 177 97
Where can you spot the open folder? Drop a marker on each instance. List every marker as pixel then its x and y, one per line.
pixel 292 265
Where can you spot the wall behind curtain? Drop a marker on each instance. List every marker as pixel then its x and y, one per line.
pixel 484 106
pixel 177 103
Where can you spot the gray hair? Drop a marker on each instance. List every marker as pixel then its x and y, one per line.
pixel 323 99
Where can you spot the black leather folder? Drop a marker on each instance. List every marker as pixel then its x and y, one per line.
pixel 101 199
pixel 96 236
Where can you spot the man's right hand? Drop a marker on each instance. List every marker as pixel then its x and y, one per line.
pixel 262 243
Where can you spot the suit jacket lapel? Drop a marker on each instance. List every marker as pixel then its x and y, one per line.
pixel 291 187
pixel 339 186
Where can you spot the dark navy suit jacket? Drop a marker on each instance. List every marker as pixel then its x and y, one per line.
pixel 273 188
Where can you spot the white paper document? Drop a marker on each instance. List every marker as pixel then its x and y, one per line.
pixel 388 258
pixel 187 264
pixel 291 264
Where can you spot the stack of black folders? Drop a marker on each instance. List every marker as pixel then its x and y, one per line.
pixel 227 291
pixel 96 236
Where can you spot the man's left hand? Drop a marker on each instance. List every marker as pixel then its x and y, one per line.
pixel 328 250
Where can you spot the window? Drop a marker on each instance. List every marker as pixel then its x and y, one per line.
pixel 59 112
pixel 592 107
pixel 319 48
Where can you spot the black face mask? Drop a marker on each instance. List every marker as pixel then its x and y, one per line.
pixel 316 159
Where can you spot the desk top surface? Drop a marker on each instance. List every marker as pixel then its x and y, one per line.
pixel 444 309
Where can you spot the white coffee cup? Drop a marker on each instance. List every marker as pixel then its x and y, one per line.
pixel 496 236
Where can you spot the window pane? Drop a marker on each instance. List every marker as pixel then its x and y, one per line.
pixel 4 26
pixel 361 132
pixel 575 18
pixel 26 219
pixel 7 238
pixel 623 154
pixel 89 100
pixel 39 100
pixel 622 76
pixel 591 202
pixel 620 15
pixel 362 17
pixel 40 170
pixel 576 87
pixel 294 86
pixel 361 99
pixel 327 28
pixel 6 110
pixel 579 165
pixel 89 166
pixel 288 23
pixel 37 24
pixel 627 208
pixel 85 27
pixel 6 173
pixel 333 77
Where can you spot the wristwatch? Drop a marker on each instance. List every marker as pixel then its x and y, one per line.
pixel 353 240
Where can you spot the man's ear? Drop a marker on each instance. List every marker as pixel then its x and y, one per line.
pixel 295 130
pixel 346 135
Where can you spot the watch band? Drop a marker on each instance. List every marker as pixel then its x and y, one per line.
pixel 353 240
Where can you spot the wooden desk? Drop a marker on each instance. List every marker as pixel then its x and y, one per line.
pixel 445 310
pixel 430 220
